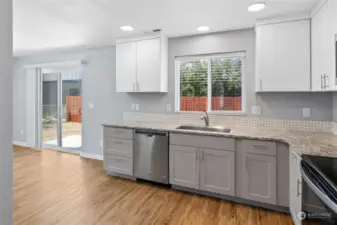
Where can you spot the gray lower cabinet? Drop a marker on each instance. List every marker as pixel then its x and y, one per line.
pixel 203 169
pixel 258 178
pixel 184 166
pixel 118 150
pixel 217 171
pixel 118 164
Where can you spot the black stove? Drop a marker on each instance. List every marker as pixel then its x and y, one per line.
pixel 320 182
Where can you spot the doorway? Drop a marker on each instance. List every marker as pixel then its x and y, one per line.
pixel 60 105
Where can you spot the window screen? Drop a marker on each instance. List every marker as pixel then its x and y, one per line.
pixel 210 84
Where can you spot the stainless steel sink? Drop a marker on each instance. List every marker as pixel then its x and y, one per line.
pixel 205 128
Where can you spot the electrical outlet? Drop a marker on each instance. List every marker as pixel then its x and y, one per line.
pixel 256 110
pixel 168 108
pixel 306 112
pixel 101 143
pixel 137 107
pixel 90 105
pixel 21 131
pixel 133 106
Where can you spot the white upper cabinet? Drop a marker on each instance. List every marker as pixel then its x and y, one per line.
pixel 141 65
pixel 283 57
pixel 323 30
pixel 126 66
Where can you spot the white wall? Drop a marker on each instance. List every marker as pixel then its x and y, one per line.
pixel 6 138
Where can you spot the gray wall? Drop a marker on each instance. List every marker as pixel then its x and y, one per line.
pixel 335 107
pixel 274 105
pixel 98 85
pixel 6 115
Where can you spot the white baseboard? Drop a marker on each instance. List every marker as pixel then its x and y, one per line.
pixel 20 143
pixel 91 156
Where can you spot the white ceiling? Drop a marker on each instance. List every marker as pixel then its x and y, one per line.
pixel 41 25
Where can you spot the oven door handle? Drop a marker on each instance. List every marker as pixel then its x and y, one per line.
pixel 318 192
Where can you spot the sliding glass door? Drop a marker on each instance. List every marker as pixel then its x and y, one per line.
pixel 50 112
pixel 61 106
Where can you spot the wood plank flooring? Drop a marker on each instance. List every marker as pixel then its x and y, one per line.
pixel 64 189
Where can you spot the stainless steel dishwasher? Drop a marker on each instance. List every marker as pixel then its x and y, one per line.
pixel 151 156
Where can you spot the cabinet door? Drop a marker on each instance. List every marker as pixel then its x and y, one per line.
pixel 126 56
pixel 295 187
pixel 329 43
pixel 283 56
pixel 148 65
pixel 217 171
pixel 118 164
pixel 316 46
pixel 259 178
pixel 184 166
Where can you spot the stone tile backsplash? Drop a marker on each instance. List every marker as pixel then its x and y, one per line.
pixel 233 121
pixel 334 128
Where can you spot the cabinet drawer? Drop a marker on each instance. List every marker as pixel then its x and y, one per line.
pixel 118 164
pixel 259 147
pixel 120 147
pixel 203 141
pixel 117 132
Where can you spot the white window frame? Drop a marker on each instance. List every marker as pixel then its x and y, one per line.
pixel 241 55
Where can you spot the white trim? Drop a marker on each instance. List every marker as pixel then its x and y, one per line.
pixel 74 63
pixel 141 38
pixel 20 143
pixel 177 85
pixel 243 88
pixel 318 7
pixel 238 54
pixel 91 156
pixel 283 20
pixel 209 86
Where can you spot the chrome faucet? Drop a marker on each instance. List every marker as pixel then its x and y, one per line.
pixel 206 118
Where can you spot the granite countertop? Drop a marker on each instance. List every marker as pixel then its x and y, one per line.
pixel 310 143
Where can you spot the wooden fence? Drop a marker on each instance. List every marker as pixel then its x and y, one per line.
pixel 218 103
pixel 74 108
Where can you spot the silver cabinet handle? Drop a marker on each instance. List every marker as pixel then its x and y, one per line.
pixel 322 81
pixel 298 187
pixel 324 86
pixel 259 146
pixel 118 131
pixel 133 87
pixel 326 77
pixel 118 142
pixel 293 155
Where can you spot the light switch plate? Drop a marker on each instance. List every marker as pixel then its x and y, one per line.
pixel 137 107
pixel 90 105
pixel 21 131
pixel 256 110
pixel 306 112
pixel 168 108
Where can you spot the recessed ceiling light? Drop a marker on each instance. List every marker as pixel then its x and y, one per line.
pixel 127 28
pixel 257 7
pixel 203 28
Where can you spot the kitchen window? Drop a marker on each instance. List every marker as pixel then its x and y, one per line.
pixel 212 83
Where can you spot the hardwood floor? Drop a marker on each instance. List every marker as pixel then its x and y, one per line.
pixel 59 188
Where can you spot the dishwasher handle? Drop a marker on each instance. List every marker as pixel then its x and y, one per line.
pixel 151 133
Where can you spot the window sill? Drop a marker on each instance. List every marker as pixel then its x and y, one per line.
pixel 228 113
